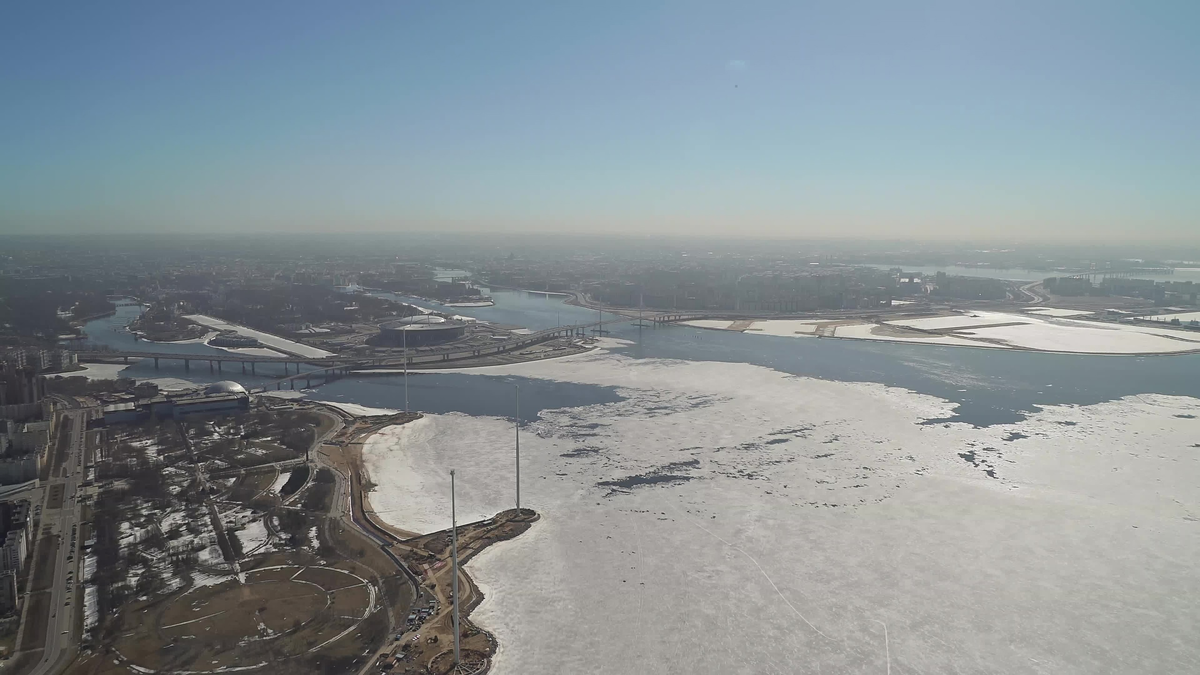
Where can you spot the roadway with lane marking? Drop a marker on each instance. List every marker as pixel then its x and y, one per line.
pixel 66 592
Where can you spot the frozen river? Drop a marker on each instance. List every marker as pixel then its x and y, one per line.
pixel 730 518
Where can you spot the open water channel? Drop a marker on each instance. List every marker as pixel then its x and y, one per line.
pixel 989 386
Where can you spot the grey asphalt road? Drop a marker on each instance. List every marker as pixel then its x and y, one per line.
pixel 67 590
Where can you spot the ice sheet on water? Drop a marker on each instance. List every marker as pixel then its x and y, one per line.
pixel 821 527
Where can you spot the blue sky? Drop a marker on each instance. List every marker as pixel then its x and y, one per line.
pixel 964 119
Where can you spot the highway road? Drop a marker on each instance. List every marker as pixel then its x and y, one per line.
pixel 1030 292
pixel 66 592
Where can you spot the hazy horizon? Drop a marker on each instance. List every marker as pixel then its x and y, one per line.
pixel 931 121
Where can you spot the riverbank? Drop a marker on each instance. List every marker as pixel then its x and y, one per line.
pixel 713 484
pixel 1040 330
pixel 425 640
pixel 552 349
pixel 564 294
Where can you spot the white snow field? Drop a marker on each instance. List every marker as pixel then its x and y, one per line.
pixel 780 327
pixel 250 351
pixel 866 331
pixel 961 320
pixel 1047 331
pixel 727 518
pixel 714 324
pixel 1058 334
pixel 785 327
pixel 274 341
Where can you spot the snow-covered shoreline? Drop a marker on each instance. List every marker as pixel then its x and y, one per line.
pixel 1048 330
pixel 190 341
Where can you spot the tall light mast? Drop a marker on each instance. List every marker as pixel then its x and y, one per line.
pixel 405 338
pixel 454 555
pixel 517 420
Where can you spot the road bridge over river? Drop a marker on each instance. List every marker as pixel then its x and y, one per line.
pixel 338 365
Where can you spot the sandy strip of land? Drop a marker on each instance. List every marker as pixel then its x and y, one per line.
pixel 274 341
pixel 190 341
pixel 868 331
pixel 1050 331
pixel 1051 311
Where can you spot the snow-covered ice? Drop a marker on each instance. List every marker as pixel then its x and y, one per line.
pixel 727 518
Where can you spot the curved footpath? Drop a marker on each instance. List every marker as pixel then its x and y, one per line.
pixel 426 643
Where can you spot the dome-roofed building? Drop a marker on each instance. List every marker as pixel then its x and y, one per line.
pixel 420 331
pixel 219 398
pixel 224 387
